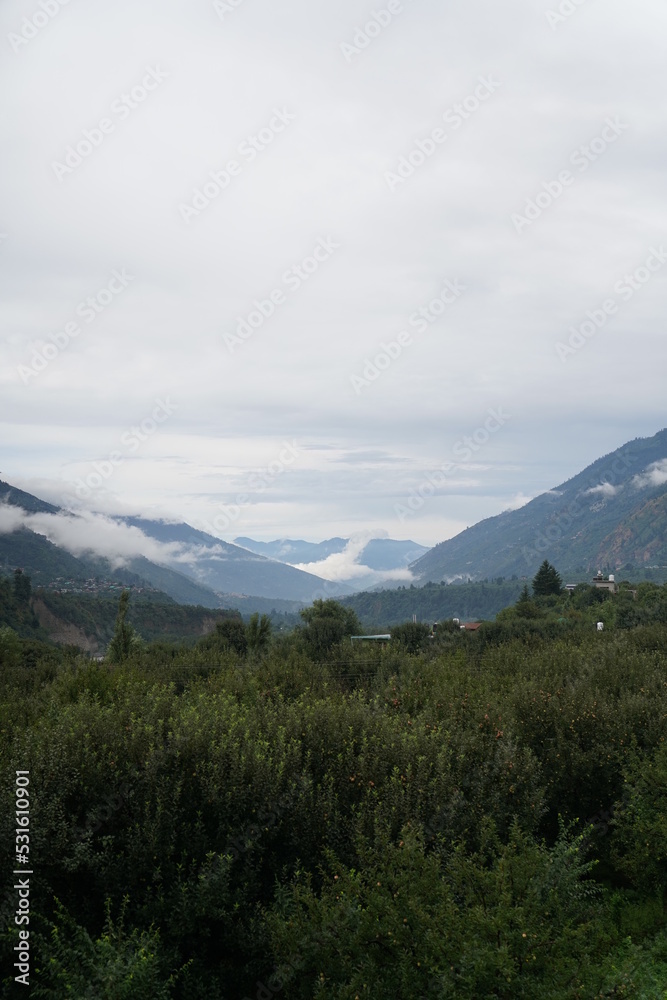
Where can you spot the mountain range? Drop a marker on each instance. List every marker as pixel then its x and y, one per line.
pixel 230 570
pixel 377 553
pixel 611 516
pixel 49 543
pixel 360 562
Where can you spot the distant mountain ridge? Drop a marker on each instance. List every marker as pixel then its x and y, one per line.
pixel 229 569
pixel 387 553
pixel 211 573
pixel 611 515
pixel 46 562
pixel 378 553
pixel 378 556
pixel 26 501
pixel 294 550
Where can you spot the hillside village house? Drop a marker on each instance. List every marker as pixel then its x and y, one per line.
pixel 600 582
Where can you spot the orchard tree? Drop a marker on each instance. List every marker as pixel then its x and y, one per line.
pixel 231 634
pixel 228 636
pixel 412 636
pixel 547 581
pixel 258 632
pixel 10 647
pixel 22 588
pixel 327 623
pixel 525 607
pixel 125 637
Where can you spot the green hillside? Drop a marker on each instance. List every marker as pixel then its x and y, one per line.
pixel 178 586
pixel 593 521
pixel 218 567
pixel 433 602
pixel 153 620
pixel 26 501
pixel 640 540
pixel 43 560
pixel 17 613
pixel 46 563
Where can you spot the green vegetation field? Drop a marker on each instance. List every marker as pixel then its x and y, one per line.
pixel 472 816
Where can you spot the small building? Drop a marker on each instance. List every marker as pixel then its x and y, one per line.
pixel 370 638
pixel 602 584
pixel 471 626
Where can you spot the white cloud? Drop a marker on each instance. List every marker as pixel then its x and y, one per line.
pixel 604 490
pixel 342 565
pixel 654 475
pixel 346 567
pixel 519 500
pixel 11 519
pixel 92 534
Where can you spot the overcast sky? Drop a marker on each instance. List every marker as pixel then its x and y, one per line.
pixel 173 342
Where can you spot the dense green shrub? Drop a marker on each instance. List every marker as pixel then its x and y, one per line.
pixel 327 624
pixel 235 814
pixel 115 966
pixel 412 636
